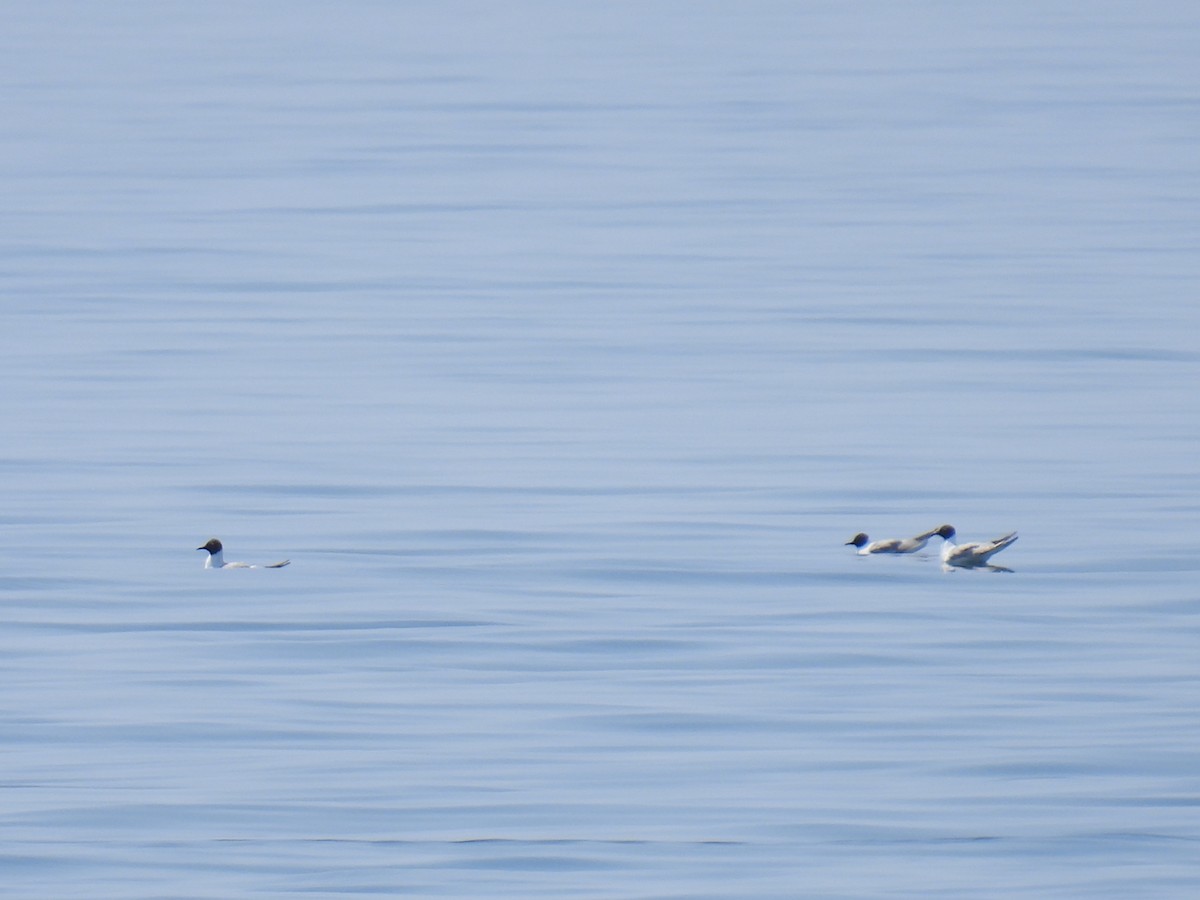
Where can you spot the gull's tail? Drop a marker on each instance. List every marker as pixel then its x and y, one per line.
pixel 997 545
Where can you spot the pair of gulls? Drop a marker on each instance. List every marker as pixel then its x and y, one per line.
pixel 954 556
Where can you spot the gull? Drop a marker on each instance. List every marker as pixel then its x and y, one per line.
pixel 891 545
pixel 216 559
pixel 971 556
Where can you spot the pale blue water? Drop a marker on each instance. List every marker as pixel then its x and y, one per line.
pixel 561 346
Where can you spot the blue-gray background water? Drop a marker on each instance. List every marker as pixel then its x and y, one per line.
pixel 561 346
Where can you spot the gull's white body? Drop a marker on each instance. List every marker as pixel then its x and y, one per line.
pixel 890 545
pixel 973 555
pixel 216 559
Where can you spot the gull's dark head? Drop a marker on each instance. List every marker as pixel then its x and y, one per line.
pixel 213 546
pixel 857 541
pixel 946 531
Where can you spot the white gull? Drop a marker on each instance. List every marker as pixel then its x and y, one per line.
pixel 974 555
pixel 890 545
pixel 216 558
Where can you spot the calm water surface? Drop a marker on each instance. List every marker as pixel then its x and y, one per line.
pixel 560 347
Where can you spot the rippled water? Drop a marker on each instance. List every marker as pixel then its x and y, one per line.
pixel 560 347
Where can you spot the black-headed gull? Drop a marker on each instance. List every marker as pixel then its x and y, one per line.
pixel 890 545
pixel 971 556
pixel 216 558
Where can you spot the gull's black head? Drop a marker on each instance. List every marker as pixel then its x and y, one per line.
pixel 946 531
pixel 212 546
pixel 857 541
